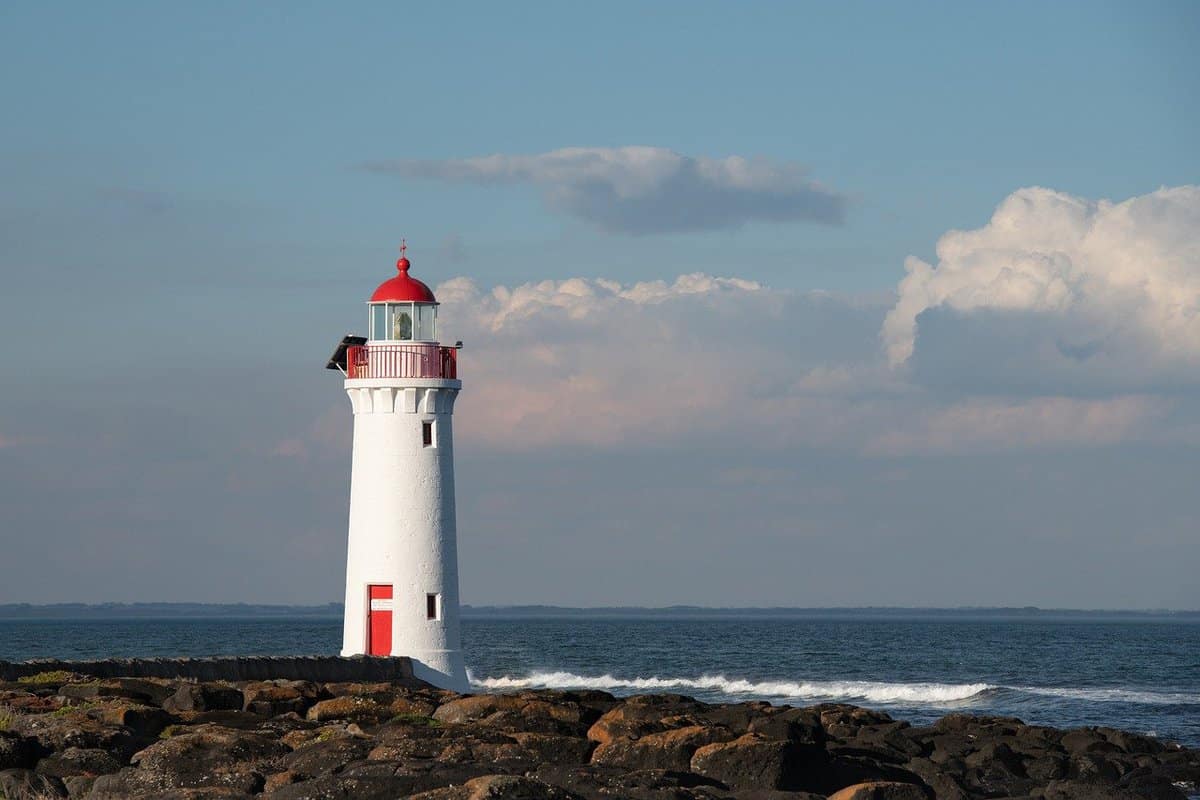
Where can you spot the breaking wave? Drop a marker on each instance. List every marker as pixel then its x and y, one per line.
pixel 868 691
pixel 1114 695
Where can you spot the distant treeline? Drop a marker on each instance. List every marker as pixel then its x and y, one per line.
pixel 334 611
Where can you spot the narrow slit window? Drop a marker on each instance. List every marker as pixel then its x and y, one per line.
pixel 427 434
pixel 432 607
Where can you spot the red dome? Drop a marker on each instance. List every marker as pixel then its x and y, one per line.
pixel 402 289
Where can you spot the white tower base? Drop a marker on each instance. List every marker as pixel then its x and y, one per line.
pixel 402 559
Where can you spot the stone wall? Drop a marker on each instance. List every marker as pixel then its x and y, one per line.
pixel 322 669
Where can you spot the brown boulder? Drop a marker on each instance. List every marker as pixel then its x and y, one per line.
pixel 666 750
pixel 750 762
pixel 544 748
pixel 498 787
pixel 880 790
pixel 362 708
pixel 270 698
pixel 472 708
pixel 142 720
pixel 644 714
pixel 149 691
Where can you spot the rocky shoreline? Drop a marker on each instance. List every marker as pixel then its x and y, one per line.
pixel 71 735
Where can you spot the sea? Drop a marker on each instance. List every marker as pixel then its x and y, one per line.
pixel 1140 675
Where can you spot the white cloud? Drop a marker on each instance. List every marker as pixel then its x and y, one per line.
pixel 730 362
pixel 598 363
pixel 645 190
pixel 1067 287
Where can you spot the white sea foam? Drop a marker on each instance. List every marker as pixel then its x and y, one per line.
pixel 1114 695
pixel 870 691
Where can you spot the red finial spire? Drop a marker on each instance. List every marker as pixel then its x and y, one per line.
pixel 402 264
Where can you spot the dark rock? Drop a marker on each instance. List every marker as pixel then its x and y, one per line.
pixel 843 771
pixel 143 721
pixel 399 700
pixel 1081 790
pixel 1046 768
pixel 750 762
pixel 270 698
pixel 204 697
pixel 331 755
pixel 528 711
pixel 238 720
pixel 379 781
pixel 544 748
pixel 978 725
pixel 881 790
pixel 55 733
pixel 79 785
pixel 996 755
pixel 24 784
pixel 498 787
pixel 209 757
pixel 361 708
pixel 78 761
pixel 17 751
pixel 1093 767
pixel 148 691
pixel 738 717
pixel 944 785
pixel 665 750
pixel 842 721
pixel 1087 740
pixel 799 725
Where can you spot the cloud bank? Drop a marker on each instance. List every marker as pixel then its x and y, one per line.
pixel 1062 323
pixel 647 190
pixel 1060 290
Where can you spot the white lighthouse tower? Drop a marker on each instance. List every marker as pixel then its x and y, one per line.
pixel 402 558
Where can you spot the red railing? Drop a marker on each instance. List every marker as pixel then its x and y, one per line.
pixel 401 361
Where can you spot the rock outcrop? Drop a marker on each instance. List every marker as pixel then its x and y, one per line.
pixel 75 736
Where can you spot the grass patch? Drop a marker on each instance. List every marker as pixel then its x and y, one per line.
pixel 53 676
pixel 66 711
pixel 7 718
pixel 171 730
pixel 416 720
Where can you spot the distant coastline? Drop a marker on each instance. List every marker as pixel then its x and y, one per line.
pixel 19 611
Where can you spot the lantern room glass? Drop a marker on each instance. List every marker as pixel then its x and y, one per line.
pixel 415 322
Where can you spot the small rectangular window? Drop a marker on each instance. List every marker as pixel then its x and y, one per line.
pixel 427 434
pixel 432 610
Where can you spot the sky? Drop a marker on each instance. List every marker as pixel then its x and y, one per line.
pixel 764 304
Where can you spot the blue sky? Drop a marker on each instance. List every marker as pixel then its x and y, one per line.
pixel 189 188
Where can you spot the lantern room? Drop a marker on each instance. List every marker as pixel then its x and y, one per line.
pixel 402 309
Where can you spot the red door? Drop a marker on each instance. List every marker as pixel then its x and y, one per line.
pixel 379 621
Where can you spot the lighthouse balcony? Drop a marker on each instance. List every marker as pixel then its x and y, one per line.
pixel 415 360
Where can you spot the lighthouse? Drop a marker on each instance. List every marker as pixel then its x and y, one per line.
pixel 402 555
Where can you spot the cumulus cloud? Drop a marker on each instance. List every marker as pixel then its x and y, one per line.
pixel 727 361
pixel 599 363
pixel 647 190
pixel 1058 289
